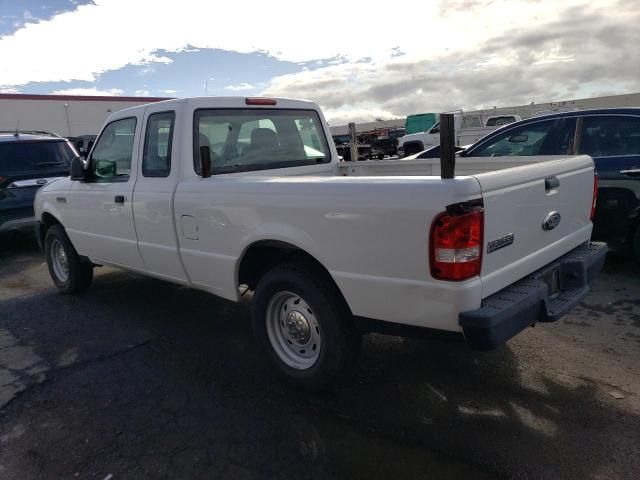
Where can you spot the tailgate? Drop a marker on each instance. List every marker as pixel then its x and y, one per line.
pixel 533 215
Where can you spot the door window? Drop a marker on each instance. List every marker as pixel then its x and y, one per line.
pixel 112 154
pixel 609 136
pixel 156 159
pixel 519 141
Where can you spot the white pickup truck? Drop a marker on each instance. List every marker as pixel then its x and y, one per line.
pixel 469 128
pixel 230 194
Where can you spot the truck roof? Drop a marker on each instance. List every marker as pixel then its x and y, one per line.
pixel 590 111
pixel 227 102
pixel 31 136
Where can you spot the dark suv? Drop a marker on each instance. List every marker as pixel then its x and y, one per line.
pixel 28 160
pixel 611 137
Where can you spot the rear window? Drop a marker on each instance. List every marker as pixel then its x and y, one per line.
pixel 499 121
pixel 18 157
pixel 258 139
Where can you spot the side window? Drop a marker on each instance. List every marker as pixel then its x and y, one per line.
pixel 519 141
pixel 111 155
pixel 608 136
pixel 156 159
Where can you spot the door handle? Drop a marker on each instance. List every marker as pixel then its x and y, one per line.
pixel 551 183
pixel 119 199
pixel 632 172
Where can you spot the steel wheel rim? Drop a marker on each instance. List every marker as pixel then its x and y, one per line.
pixel 59 261
pixel 293 330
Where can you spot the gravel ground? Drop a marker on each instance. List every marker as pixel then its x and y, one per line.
pixel 139 378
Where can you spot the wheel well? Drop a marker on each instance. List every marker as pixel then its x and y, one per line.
pixel 412 147
pixel 46 222
pixel 262 256
pixel 49 219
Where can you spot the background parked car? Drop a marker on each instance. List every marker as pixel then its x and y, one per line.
pixel 28 160
pixel 611 137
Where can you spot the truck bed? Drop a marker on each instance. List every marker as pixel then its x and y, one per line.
pixel 431 166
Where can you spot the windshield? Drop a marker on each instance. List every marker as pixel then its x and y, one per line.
pixel 16 157
pixel 251 139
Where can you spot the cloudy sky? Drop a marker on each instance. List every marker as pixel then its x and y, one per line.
pixel 358 60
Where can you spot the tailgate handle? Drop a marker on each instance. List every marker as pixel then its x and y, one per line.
pixel 119 199
pixel 551 183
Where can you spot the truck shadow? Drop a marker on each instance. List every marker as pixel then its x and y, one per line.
pixel 140 378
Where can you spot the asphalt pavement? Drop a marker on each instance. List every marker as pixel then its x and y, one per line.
pixel 139 378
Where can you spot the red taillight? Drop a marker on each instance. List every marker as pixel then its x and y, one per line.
pixel 456 245
pixel 259 101
pixel 595 195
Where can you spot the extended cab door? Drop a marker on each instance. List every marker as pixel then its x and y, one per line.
pixel 99 217
pixel 158 175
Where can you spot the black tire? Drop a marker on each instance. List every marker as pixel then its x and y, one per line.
pixel 340 341
pixel 79 269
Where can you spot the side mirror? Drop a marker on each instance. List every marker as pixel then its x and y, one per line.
pixel 205 161
pixel 78 171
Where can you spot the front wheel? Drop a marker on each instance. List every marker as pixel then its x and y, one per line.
pixel 304 326
pixel 70 272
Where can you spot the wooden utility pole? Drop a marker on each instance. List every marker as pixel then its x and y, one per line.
pixel 447 146
pixel 353 142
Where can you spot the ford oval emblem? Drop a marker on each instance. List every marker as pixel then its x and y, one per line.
pixel 551 221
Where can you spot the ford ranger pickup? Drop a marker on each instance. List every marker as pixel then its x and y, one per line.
pixel 230 195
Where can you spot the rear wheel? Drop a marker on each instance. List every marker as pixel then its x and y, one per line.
pixel 304 326
pixel 70 272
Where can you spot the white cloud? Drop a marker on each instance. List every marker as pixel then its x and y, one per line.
pixel 142 93
pixel 143 29
pixel 110 92
pixel 9 90
pixel 570 56
pixel 240 87
pixel 27 15
pixel 458 53
pixel 168 91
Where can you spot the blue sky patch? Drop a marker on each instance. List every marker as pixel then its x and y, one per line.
pixel 16 14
